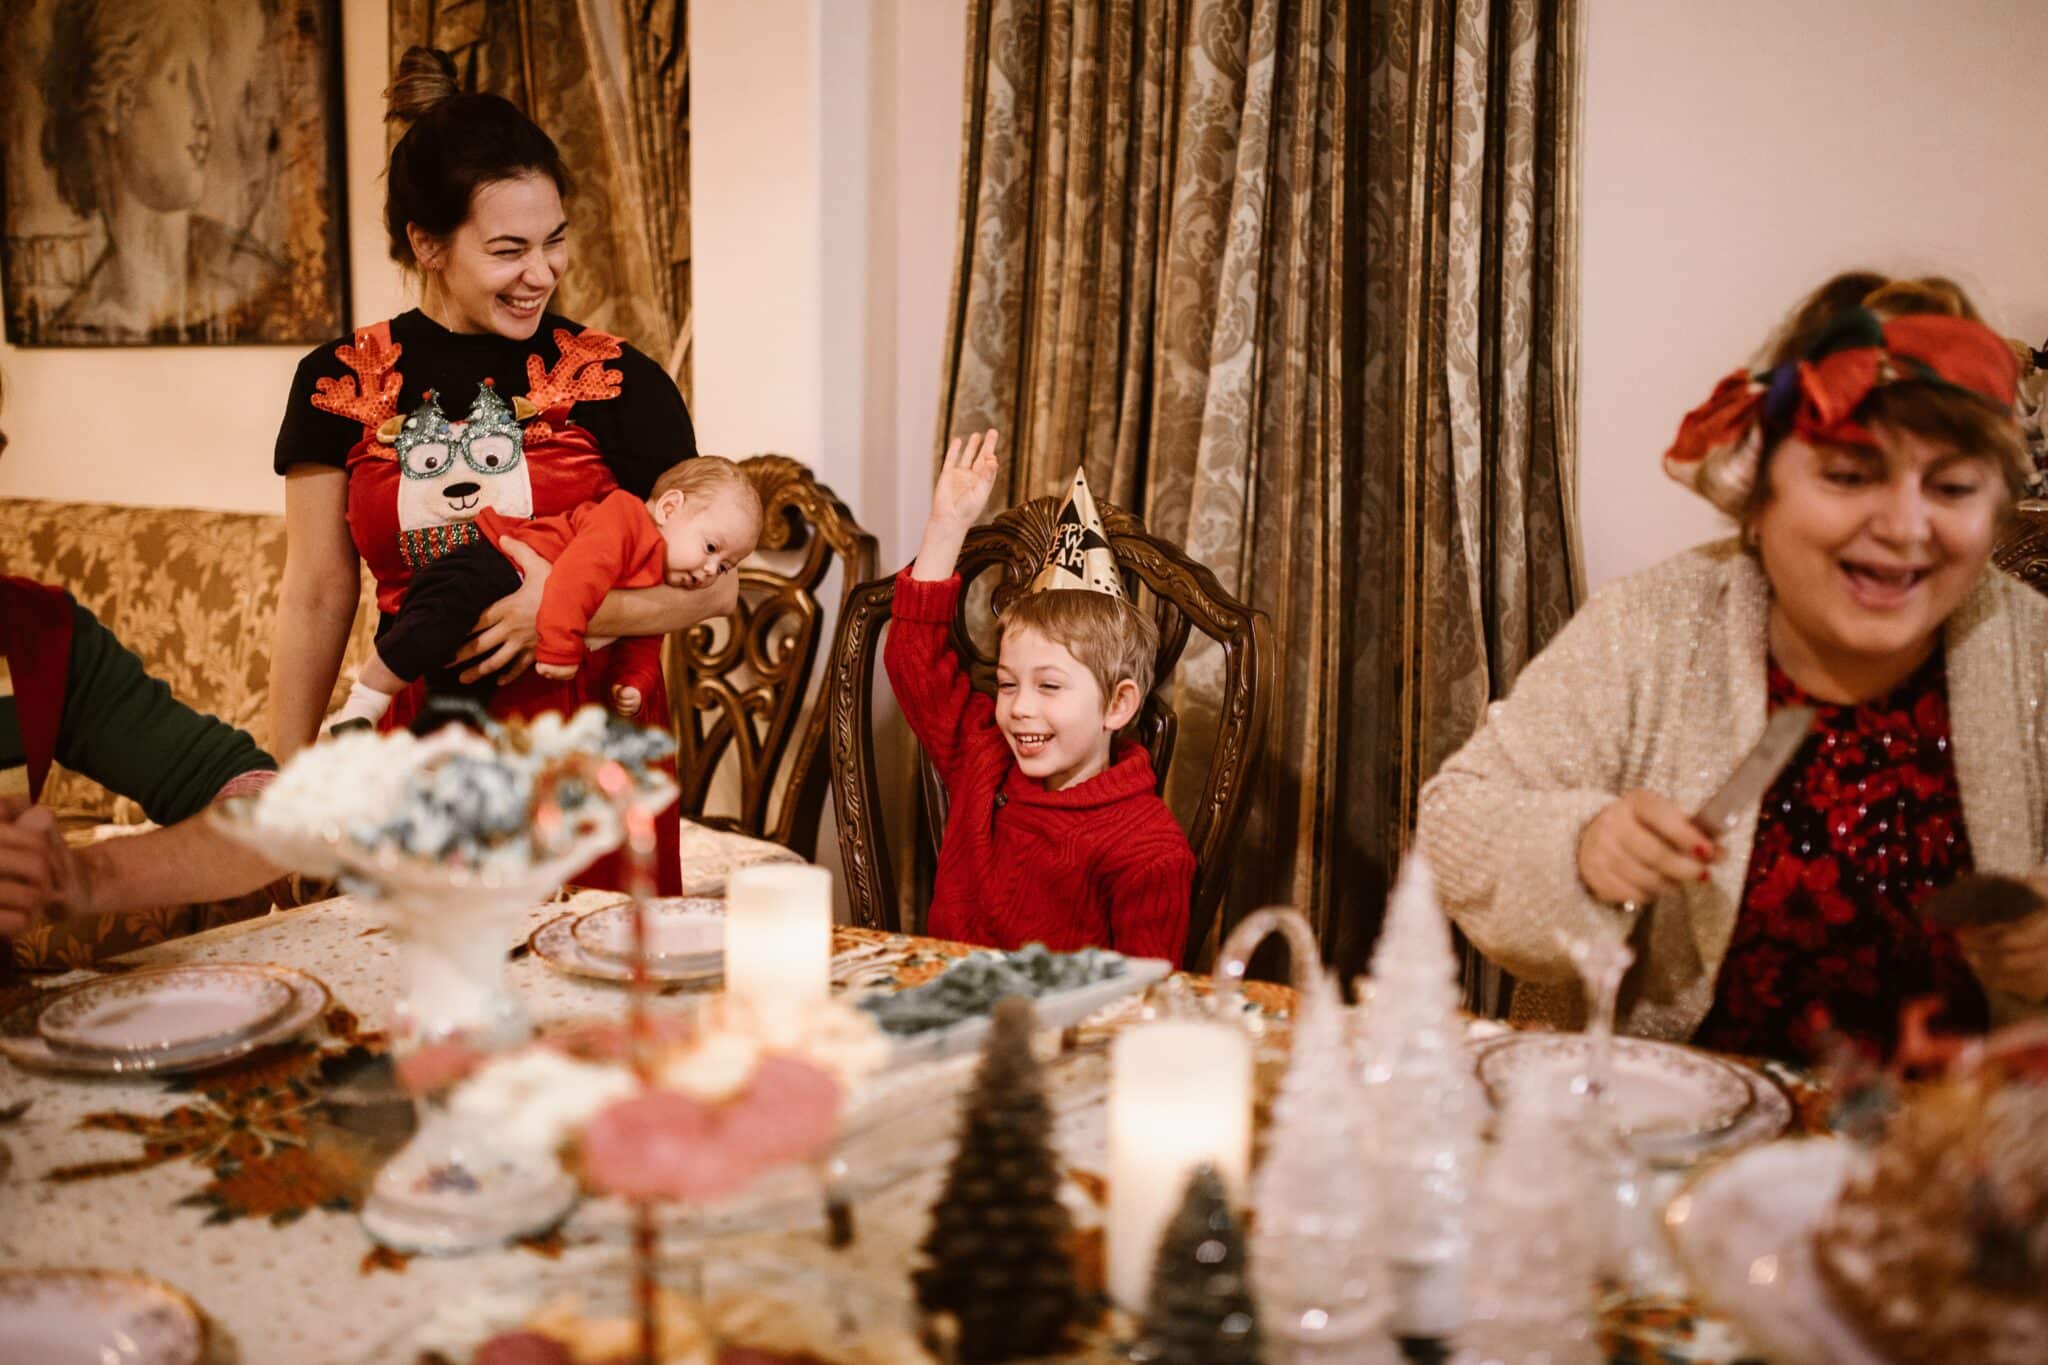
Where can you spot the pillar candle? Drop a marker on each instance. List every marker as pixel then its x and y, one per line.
pixel 778 935
pixel 1180 1095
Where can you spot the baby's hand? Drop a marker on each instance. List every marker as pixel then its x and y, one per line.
pixel 626 700
pixel 966 477
pixel 559 672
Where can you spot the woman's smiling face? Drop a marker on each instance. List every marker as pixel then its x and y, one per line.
pixel 497 271
pixel 1869 550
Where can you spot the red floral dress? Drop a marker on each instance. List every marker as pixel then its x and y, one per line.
pixel 1862 826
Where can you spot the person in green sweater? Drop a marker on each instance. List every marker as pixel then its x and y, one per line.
pixel 71 693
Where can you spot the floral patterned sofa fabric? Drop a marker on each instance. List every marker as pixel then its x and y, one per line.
pixel 194 594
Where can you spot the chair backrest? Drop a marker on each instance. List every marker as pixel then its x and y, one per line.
pixel 2022 548
pixel 743 688
pixel 1184 598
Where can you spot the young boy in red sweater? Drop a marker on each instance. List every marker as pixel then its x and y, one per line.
pixel 703 518
pixel 1055 832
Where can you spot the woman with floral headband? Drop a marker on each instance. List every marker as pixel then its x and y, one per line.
pixel 1869 465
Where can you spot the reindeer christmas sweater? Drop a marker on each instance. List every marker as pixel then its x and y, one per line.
pixel 1100 864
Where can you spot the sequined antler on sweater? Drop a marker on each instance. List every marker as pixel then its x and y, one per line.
pixel 370 393
pixel 579 376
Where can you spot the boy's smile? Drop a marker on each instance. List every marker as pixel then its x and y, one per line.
pixel 1050 709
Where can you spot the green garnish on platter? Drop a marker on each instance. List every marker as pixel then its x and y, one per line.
pixel 971 986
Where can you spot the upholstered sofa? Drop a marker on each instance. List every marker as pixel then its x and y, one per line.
pixel 194 593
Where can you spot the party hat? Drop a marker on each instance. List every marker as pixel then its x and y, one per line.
pixel 1080 557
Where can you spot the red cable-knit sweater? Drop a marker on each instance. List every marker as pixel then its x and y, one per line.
pixel 1102 863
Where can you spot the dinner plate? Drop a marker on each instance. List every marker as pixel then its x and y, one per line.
pixel 96 1317
pixel 1660 1090
pixel 1768 1116
pixel 1744 1232
pixel 165 1010
pixel 683 933
pixel 21 1044
pixel 555 944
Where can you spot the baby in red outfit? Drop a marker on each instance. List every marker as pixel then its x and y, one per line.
pixel 703 518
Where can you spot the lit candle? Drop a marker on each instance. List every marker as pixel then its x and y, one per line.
pixel 778 935
pixel 1180 1094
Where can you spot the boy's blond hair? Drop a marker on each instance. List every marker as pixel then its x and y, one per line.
pixel 1112 639
pixel 708 476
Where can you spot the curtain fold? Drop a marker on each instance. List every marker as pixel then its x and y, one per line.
pixel 609 81
pixel 1295 281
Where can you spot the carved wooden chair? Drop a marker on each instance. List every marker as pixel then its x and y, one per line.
pixel 741 696
pixel 1183 596
pixel 2022 549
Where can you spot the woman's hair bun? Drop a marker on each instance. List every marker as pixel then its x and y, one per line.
pixel 424 80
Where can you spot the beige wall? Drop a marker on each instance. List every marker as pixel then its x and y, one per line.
pixel 1735 155
pixel 824 180
pixel 195 425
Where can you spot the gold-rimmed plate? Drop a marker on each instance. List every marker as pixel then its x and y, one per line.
pixel 165 1009
pixel 1660 1090
pixel 96 1317
pixel 555 944
pixel 22 1044
pixel 685 933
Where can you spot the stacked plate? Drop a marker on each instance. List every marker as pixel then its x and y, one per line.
pixel 163 1020
pixel 685 942
pixel 96 1317
pixel 1672 1103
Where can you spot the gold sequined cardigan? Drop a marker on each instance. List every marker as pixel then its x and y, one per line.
pixel 1660 682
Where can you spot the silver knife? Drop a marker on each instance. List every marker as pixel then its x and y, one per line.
pixel 1754 775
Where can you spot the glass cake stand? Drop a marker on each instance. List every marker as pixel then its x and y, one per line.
pixel 452 1188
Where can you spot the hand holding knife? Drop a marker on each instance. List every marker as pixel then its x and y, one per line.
pixel 1752 777
pixel 1642 844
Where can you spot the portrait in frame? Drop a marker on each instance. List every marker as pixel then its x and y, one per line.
pixel 171 172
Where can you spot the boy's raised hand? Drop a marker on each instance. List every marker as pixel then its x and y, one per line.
pixel 966 478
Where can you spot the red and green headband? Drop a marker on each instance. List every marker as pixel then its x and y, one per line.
pixel 1818 397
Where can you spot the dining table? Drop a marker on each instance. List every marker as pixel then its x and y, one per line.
pixel 240 1186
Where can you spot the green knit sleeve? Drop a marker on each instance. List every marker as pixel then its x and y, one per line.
pixel 125 731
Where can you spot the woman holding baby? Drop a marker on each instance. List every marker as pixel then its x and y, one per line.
pixel 502 405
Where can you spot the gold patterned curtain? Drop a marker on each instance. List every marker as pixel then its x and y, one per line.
pixel 1295 280
pixel 609 81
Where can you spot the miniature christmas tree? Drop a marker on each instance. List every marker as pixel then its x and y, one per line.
pixel 1199 1310
pixel 1530 1286
pixel 1322 1287
pixel 996 1257
pixel 1424 1104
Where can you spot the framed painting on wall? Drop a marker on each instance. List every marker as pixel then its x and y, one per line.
pixel 171 172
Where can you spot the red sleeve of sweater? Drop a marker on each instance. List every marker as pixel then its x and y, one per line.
pixel 1151 889
pixel 615 543
pixel 949 718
